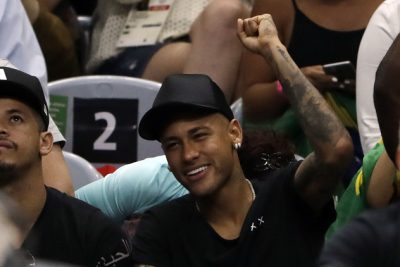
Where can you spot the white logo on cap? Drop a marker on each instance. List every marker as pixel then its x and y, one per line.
pixel 2 75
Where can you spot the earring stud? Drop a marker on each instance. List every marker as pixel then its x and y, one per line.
pixel 237 145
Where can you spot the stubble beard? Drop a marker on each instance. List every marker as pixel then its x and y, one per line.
pixel 8 173
pixel 211 191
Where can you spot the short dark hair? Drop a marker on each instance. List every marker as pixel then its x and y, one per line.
pixel 41 126
pixel 263 151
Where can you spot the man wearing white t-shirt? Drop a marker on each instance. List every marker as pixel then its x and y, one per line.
pixel 382 29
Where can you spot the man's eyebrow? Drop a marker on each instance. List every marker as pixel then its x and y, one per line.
pixel 190 132
pixel 14 110
pixel 167 139
pixel 196 129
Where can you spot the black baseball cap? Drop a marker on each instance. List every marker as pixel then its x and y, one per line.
pixel 182 93
pixel 25 88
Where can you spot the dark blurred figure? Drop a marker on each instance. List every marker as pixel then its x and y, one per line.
pixel 84 7
pixel 57 30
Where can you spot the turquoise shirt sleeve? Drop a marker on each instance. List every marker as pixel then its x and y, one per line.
pixel 133 188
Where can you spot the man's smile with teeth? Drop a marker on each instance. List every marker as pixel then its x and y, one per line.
pixel 196 171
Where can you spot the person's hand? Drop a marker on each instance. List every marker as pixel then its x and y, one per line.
pixel 322 81
pixel 347 86
pixel 325 82
pixel 257 33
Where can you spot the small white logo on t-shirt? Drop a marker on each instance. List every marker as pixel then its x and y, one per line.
pixel 2 75
pixel 258 223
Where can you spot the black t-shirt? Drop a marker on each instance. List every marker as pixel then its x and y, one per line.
pixel 69 230
pixel 371 239
pixel 279 230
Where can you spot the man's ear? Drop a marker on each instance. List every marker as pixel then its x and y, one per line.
pixel 46 143
pixel 235 131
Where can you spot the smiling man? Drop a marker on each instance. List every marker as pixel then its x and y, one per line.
pixel 226 220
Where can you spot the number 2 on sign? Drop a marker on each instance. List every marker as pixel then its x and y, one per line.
pixel 101 142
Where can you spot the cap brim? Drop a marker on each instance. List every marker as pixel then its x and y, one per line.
pixel 154 120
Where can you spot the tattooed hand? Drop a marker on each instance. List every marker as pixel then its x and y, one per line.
pixel 258 33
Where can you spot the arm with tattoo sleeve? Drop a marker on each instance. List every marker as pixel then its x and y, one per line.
pixel 318 175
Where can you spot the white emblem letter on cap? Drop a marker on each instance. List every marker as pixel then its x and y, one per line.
pixel 2 75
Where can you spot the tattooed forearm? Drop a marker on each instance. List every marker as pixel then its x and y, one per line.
pixel 284 54
pixel 318 120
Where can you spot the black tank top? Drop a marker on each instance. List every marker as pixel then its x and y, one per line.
pixel 311 44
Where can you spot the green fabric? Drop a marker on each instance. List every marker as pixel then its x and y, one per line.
pixel 348 102
pixel 350 204
pixel 344 106
pixel 287 125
